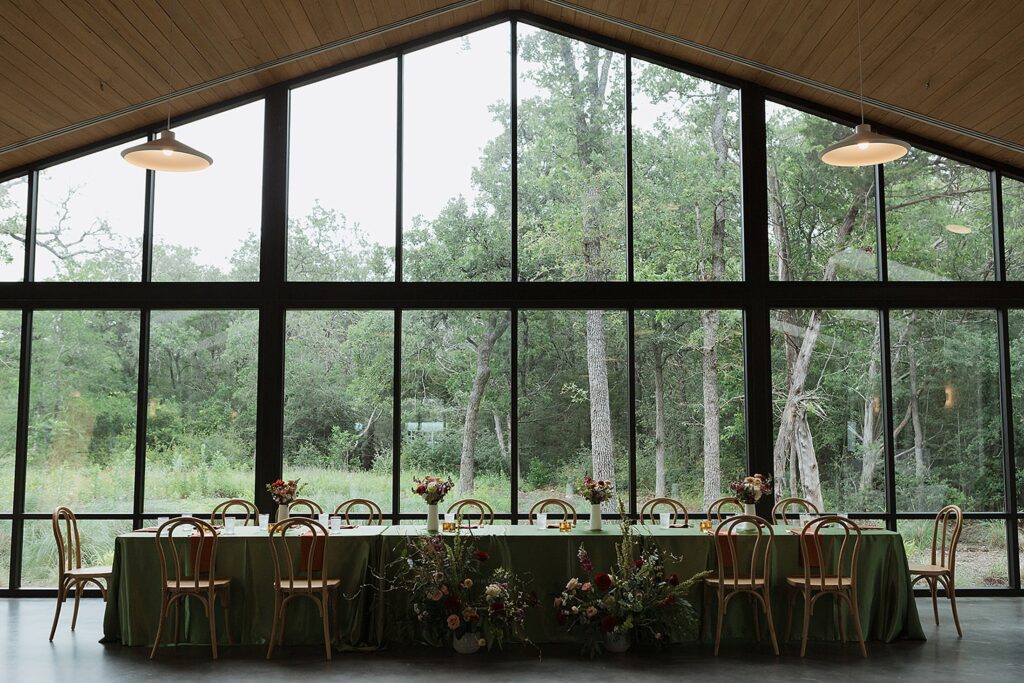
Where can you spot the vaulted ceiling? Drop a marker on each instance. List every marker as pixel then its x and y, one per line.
pixel 64 62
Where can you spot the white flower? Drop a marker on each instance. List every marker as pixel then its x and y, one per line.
pixel 493 590
pixel 432 486
pixel 573 582
pixel 481 642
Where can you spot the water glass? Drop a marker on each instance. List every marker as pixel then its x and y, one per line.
pixel 323 518
pixel 229 523
pixel 335 523
pixel 843 514
pixel 666 519
pixel 542 520
pixel 449 518
pixel 264 521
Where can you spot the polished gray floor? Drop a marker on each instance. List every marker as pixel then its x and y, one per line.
pixel 991 651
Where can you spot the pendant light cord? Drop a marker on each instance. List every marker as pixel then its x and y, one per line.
pixel 860 65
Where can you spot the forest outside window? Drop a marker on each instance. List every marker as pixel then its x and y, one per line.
pixel 13 207
pixel 1013 227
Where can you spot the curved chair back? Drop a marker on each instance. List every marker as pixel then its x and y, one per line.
pixel 373 510
pixel 842 566
pixel 472 507
pixel 715 509
pixel 781 509
pixel 312 506
pixel 649 510
pixel 199 560
pixel 69 544
pixel 729 558
pixel 567 510
pixel 223 510
pixel 311 556
pixel 944 545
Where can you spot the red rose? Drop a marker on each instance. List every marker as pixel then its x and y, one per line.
pixel 602 581
pixel 452 603
pixel 497 606
pixel 481 556
pixel 669 600
pixel 673 580
pixel 638 563
pixel 609 623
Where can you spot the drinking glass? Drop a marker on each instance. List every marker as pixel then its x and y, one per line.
pixel 449 517
pixel 666 519
pixel 264 521
pixel 542 520
pixel 323 518
pixel 335 523
pixel 229 523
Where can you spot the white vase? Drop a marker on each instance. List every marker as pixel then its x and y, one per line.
pixel 467 643
pixel 282 513
pixel 616 642
pixel 751 510
pixel 432 525
pixel 595 517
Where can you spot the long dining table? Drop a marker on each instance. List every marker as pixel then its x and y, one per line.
pixel 373 616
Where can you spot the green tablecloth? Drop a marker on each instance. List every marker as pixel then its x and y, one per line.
pixel 370 618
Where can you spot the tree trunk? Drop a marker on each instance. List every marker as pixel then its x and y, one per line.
pixel 496 326
pixel 500 436
pixel 870 445
pixel 600 403
pixel 920 468
pixel 659 422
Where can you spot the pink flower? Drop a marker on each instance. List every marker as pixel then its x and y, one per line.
pixel 558 602
pixel 435 595
pixel 453 621
pixel 591 611
pixel 585 587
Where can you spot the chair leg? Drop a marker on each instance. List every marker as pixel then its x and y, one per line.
pixel 327 628
pixel 841 619
pixel 855 610
pixel 160 624
pixel 177 620
pixel 951 592
pixel 61 596
pixel 225 603
pixel 757 617
pixel 211 616
pixel 721 620
pixel 766 599
pixel 807 624
pixel 789 615
pixel 78 597
pixel 933 583
pixel 273 628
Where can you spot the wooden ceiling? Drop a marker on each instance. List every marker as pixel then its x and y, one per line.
pixel 66 61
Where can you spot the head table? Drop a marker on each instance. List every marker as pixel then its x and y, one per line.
pixel 371 618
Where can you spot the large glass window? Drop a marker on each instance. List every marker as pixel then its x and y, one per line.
pixel 686 177
pixel 341 177
pixel 13 204
pixel 201 415
pixel 1016 328
pixel 206 226
pixel 1013 227
pixel 10 355
pixel 572 146
pixel 39 560
pixel 457 185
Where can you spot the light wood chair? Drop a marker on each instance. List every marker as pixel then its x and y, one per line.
pixel 312 506
pixel 373 510
pixel 715 509
pixel 943 566
pixel 567 510
pixel 223 510
pixel 780 511
pixel 191 576
pixel 70 572
pixel 648 510
pixel 818 580
pixel 482 510
pixel 732 580
pixel 291 581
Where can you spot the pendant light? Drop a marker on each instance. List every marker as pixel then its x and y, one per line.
pixel 864 147
pixel 167 154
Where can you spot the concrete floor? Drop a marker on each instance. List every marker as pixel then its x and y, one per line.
pixel 991 651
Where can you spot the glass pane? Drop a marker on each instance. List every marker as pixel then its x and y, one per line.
pixel 938 219
pixel 689 404
pixel 81 438
pixel 828 422
pixel 13 208
pixel 573 409
pixel 945 368
pixel 456 379
pixel 1016 328
pixel 1013 228
pixel 980 558
pixel 90 219
pixel 5 553
pixel 341 177
pixel 201 419
pixel 339 367
pixel 10 356
pixel 572 147
pixel 686 177
pixel 206 226
pixel 821 218
pixel 456 160
pixel 39 554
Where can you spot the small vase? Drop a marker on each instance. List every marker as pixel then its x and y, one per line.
pixel 467 643
pixel 616 642
pixel 751 510
pixel 595 517
pixel 432 525
pixel 282 513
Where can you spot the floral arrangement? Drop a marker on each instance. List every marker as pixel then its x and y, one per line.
pixel 596 491
pixel 635 596
pixel 284 492
pixel 750 490
pixel 432 489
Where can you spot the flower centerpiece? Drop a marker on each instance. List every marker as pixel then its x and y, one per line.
pixel 748 491
pixel 596 492
pixel 432 490
pixel 284 492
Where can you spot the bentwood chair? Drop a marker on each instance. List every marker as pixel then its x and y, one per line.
pixel 468 508
pixel 223 510
pixel 312 507
pixel 715 509
pixel 780 513
pixel 188 569
pixel 943 566
pixel 833 574
pixel 736 576
pixel 567 510
pixel 649 510
pixel 307 579
pixel 70 572
pixel 373 510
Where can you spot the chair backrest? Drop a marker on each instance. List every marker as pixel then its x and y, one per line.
pixel 472 507
pixel 567 510
pixel 944 545
pixel 649 510
pixel 372 509
pixel 841 563
pixel 781 508
pixel 715 509
pixel 69 545
pixel 188 568
pixel 223 510
pixel 311 505
pixel 729 558
pixel 298 568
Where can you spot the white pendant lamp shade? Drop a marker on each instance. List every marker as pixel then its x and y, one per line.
pixel 166 154
pixel 864 148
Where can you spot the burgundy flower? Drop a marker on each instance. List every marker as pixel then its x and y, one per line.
pixel 452 603
pixel 481 556
pixel 673 580
pixel 586 566
pixel 638 563
pixel 560 617
pixel 609 623
pixel 497 606
pixel 602 581
pixel 670 599
pixel 531 599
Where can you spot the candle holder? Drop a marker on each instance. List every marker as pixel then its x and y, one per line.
pixel 565 525
pixel 448 527
pixel 705 525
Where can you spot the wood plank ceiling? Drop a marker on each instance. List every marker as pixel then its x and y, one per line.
pixel 66 61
